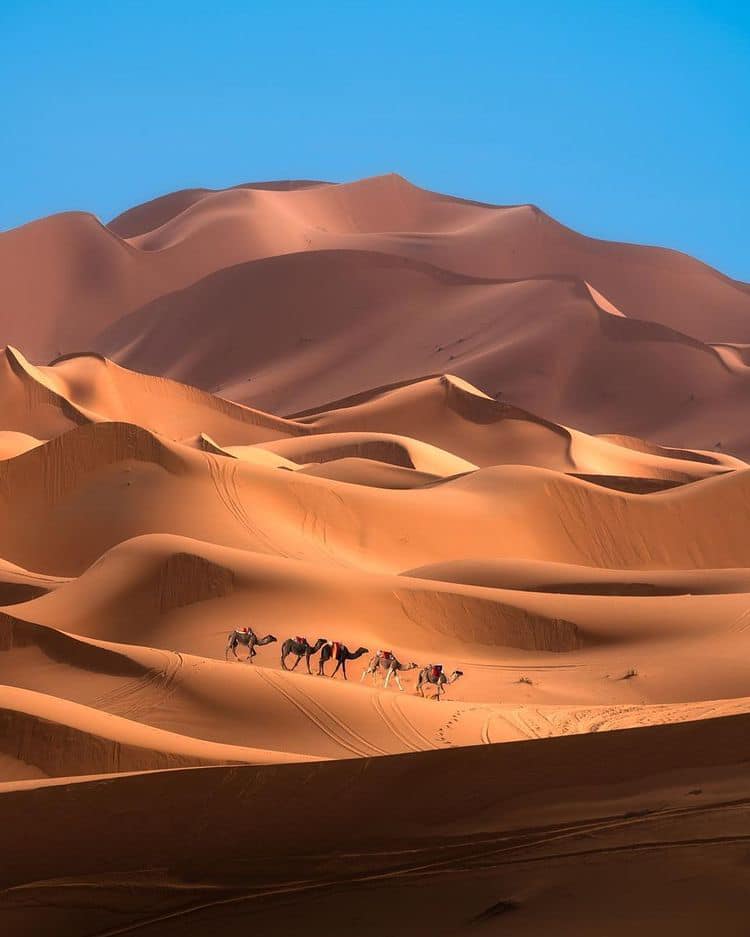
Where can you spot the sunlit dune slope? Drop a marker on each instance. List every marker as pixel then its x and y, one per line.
pixel 120 481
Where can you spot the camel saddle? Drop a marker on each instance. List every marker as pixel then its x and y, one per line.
pixel 300 640
pixel 386 655
pixel 436 669
pixel 335 648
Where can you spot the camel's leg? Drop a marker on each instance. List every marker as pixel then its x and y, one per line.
pixel 250 653
pixel 336 669
pixel 307 661
pixel 297 661
pixel 388 675
pixel 343 669
pixel 398 680
pixel 368 669
pixel 283 662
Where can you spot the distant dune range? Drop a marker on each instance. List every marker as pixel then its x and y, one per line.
pixel 287 296
pixel 397 420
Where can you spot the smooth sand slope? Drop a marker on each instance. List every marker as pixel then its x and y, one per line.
pixel 383 418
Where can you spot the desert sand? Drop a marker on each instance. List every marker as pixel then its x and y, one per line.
pixel 394 420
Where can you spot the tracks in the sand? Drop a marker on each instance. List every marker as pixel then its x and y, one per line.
pixel 135 698
pixel 224 479
pixel 476 855
pixel 331 726
pixel 410 737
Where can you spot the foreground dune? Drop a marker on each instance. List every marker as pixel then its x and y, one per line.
pixel 379 419
pixel 495 837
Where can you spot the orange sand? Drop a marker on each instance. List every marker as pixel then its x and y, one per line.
pixel 392 419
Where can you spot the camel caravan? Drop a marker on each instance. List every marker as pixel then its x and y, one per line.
pixel 383 663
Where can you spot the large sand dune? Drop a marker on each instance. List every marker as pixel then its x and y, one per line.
pixel 391 419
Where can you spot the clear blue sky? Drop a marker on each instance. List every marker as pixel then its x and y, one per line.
pixel 624 120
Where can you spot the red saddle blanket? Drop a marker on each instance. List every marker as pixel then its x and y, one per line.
pixel 335 648
pixel 386 655
pixel 300 640
pixel 437 669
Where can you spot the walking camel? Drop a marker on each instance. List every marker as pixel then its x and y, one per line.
pixel 300 647
pixel 249 639
pixel 387 662
pixel 341 654
pixel 433 674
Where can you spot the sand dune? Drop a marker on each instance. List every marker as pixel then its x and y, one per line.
pixel 370 472
pixel 378 417
pixel 570 631
pixel 114 393
pixel 481 240
pixel 141 483
pixel 547 810
pixel 47 736
pixel 480 330
pixel 404 452
pixel 451 413
pixel 19 585
pixel 13 443
pixel 400 257
pixel 532 576
pixel 141 219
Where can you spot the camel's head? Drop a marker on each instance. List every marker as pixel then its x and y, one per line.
pixel 272 638
pixel 363 650
pixel 412 666
pixel 456 674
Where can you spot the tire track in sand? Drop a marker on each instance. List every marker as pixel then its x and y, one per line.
pixel 134 698
pixel 224 479
pixel 379 708
pixel 429 745
pixel 319 717
pixel 477 852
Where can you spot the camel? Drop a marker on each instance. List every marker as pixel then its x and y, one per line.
pixel 433 674
pixel 250 639
pixel 341 654
pixel 390 665
pixel 301 648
